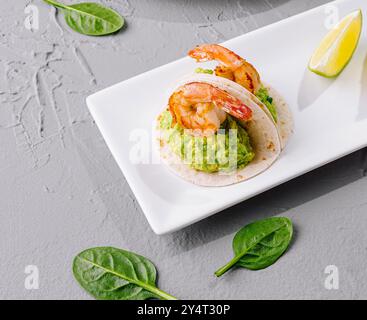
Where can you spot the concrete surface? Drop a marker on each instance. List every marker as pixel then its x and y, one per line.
pixel 61 191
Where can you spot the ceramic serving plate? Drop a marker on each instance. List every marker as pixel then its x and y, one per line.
pixel 330 118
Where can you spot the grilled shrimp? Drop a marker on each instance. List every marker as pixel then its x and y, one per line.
pixel 231 66
pixel 202 107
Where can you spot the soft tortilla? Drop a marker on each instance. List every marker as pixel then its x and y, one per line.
pixel 285 122
pixel 261 129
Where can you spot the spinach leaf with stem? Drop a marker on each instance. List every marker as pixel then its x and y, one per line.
pixel 109 273
pixel 259 244
pixel 90 18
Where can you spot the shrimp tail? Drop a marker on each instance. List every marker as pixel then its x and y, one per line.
pixel 239 111
pixel 208 52
pixel 200 55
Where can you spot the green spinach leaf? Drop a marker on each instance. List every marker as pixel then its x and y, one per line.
pixel 113 274
pixel 90 18
pixel 259 244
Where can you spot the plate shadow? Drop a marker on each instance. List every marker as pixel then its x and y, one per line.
pixel 362 107
pixel 273 202
pixel 311 88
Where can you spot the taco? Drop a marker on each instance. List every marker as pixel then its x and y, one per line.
pixel 221 127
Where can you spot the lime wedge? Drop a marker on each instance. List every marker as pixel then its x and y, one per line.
pixel 337 47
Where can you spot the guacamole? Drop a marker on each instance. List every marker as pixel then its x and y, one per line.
pixel 264 97
pixel 209 154
pixel 205 71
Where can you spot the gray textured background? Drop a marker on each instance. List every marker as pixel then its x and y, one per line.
pixel 61 191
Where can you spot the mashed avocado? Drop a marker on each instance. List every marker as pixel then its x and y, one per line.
pixel 264 97
pixel 201 70
pixel 209 154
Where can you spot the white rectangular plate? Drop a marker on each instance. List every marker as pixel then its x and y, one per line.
pixel 330 117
